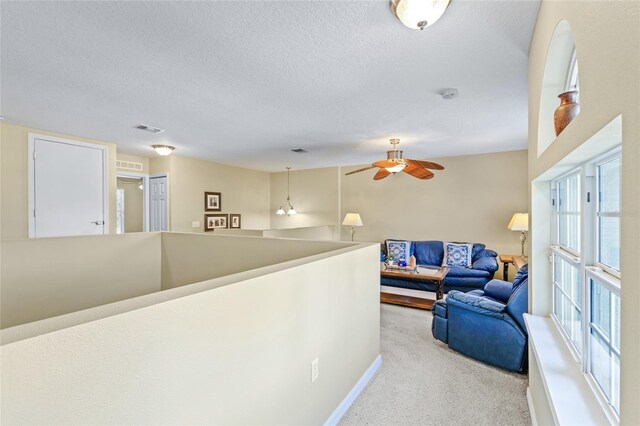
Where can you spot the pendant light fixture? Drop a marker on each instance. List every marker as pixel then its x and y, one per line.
pixel 290 210
pixel 418 14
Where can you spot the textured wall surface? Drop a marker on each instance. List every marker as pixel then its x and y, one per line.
pixel 208 354
pixel 45 277
pixel 607 39
pixel 472 200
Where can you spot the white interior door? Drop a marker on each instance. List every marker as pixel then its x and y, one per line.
pixel 119 211
pixel 67 187
pixel 159 204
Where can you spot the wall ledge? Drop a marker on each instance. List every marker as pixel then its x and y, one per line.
pixel 570 398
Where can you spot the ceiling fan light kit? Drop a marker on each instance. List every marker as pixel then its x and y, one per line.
pixel 396 163
pixel 396 169
pixel 418 14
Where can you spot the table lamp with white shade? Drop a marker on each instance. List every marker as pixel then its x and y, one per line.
pixel 520 222
pixel 352 220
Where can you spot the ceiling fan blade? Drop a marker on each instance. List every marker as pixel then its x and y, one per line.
pixel 384 163
pixel 360 170
pixel 382 173
pixel 427 164
pixel 418 171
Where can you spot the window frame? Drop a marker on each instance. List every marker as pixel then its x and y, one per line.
pixel 555 241
pixel 597 163
pixel 576 263
pixel 613 284
pixel 589 268
pixel 573 74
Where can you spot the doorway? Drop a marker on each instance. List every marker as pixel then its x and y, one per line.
pixel 139 195
pixel 131 205
pixel 67 187
pixel 159 203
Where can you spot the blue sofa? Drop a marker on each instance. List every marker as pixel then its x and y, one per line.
pixel 488 324
pixel 430 254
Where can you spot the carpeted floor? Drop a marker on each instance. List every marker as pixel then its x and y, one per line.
pixel 423 382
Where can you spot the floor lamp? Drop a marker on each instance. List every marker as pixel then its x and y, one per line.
pixel 352 220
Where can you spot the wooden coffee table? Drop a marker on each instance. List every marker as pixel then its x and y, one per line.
pixel 407 297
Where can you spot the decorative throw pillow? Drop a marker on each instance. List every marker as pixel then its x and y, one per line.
pixel 400 250
pixel 457 255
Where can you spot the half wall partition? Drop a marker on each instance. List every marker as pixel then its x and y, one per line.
pixel 184 328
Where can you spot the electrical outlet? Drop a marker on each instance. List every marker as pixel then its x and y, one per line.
pixel 195 224
pixel 314 370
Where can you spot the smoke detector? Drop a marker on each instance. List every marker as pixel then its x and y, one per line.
pixel 450 93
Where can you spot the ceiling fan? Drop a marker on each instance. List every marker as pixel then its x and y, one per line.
pixel 395 163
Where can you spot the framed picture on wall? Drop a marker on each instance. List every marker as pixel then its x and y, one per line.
pixel 234 221
pixel 212 201
pixel 215 221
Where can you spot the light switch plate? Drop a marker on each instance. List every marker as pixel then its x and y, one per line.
pixel 195 224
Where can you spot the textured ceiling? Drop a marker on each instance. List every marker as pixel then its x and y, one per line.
pixel 243 82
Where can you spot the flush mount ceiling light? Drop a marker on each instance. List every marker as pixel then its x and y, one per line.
pixel 163 149
pixel 290 210
pixel 418 14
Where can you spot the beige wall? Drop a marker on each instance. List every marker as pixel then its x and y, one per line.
pixel 188 258
pixel 160 164
pixel 472 200
pixel 318 233
pixel 607 39
pixel 133 205
pixel 45 277
pixel 322 197
pixel 136 159
pixel 243 191
pixel 236 354
pixel 14 146
pixel 315 194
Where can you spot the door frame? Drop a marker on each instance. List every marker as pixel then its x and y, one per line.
pixel 145 195
pixel 164 175
pixel 31 177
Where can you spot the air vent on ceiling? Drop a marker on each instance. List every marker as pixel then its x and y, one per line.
pixel 299 151
pixel 128 165
pixel 149 128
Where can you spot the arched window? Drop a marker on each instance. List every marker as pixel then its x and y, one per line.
pixel 560 75
pixel 573 77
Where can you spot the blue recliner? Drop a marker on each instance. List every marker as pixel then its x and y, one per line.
pixel 488 324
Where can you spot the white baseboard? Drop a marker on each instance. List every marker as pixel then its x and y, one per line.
pixel 353 394
pixel 532 411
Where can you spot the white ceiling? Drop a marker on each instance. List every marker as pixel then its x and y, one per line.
pixel 243 82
